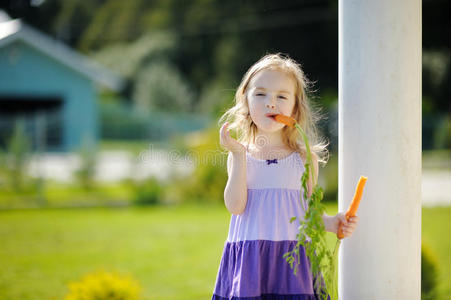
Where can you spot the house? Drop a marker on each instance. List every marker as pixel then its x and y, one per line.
pixel 49 86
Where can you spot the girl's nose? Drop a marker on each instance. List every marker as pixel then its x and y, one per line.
pixel 269 105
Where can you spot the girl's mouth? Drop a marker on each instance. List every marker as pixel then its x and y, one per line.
pixel 271 116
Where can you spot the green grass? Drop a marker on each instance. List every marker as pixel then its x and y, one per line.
pixel 436 228
pixel 173 252
pixel 67 195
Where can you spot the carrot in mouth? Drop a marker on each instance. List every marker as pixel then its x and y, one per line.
pixel 289 121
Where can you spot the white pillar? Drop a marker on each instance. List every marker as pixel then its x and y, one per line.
pixel 380 137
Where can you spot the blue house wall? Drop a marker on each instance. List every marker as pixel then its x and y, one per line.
pixel 26 72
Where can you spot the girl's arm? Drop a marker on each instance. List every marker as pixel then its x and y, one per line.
pixel 235 193
pixel 331 223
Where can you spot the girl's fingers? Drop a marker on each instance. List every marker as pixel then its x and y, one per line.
pixel 225 138
pixel 224 127
pixel 223 131
pixel 226 131
pixel 342 218
pixel 355 219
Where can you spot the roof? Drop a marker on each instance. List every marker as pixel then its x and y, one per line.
pixel 13 30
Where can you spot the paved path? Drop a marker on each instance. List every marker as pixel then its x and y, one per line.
pixel 111 166
pixel 436 187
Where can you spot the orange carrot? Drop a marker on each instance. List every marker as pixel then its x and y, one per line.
pixel 289 121
pixel 352 210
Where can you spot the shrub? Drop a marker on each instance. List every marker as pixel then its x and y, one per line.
pixel 428 273
pixel 102 285
pixel 207 181
pixel 85 173
pixel 119 121
pixel 442 134
pixel 15 161
pixel 148 192
pixel 161 86
pixel 125 122
pixel 328 177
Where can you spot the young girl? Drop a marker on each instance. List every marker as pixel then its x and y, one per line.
pixel 263 191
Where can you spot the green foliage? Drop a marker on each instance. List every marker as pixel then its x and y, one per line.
pixel 148 192
pixel 103 285
pixel 160 86
pixel 14 162
pixel 212 38
pixel 88 160
pixel 329 174
pixel 122 122
pixel 312 235
pixel 215 98
pixel 429 268
pixel 151 47
pixel 207 181
pixel 442 135
pixel 435 64
pixel 113 21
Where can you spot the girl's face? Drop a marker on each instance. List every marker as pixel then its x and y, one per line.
pixel 270 92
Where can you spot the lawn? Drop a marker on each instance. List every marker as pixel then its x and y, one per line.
pixel 436 228
pixel 174 253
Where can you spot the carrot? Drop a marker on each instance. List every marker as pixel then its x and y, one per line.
pixel 289 121
pixel 352 210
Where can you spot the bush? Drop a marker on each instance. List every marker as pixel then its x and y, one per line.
pixel 120 121
pixel 428 273
pixel 160 86
pixel 328 178
pixel 85 173
pixel 442 134
pixel 14 163
pixel 102 285
pixel 148 192
pixel 124 122
pixel 207 182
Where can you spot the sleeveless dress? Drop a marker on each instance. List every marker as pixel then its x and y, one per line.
pixel 252 266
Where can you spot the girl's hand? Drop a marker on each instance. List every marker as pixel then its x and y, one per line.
pixel 348 226
pixel 228 142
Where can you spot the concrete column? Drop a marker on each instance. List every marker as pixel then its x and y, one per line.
pixel 380 137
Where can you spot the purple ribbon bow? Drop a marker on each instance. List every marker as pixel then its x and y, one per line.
pixel 271 161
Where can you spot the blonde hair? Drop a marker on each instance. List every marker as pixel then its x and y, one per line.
pixel 240 120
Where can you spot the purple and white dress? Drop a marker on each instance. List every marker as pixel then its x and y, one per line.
pixel 252 265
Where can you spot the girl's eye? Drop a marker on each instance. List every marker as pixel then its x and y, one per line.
pixel 282 97
pixel 260 94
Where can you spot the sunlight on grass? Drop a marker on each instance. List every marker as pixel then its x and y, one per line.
pixel 173 252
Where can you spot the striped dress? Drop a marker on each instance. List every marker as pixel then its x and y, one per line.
pixel 252 266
